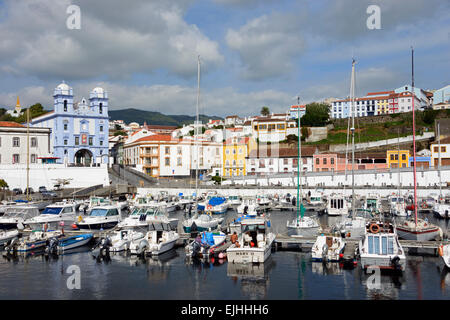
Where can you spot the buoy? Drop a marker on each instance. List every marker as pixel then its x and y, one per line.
pixel 341 255
pixel 221 255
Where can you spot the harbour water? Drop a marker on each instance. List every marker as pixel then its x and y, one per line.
pixel 287 275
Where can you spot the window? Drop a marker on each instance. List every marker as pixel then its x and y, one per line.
pixel 403 157
pixel 227 151
pixel 390 248
pixel 234 151
pixel 281 126
pixel 227 163
pixel 332 160
pixel 234 163
pixel 33 158
pixel 65 105
pixel 317 161
pixel 324 160
pixel 262 127
pixel 436 149
pixel 392 157
pixel 15 158
pixel 285 161
pixel 396 157
pixel 65 151
pixel 65 142
pixel 178 150
pixel 77 141
pixel 33 142
pixel 179 162
pixel 167 161
pixel 101 142
pixel 100 108
pixel 16 142
pixel 443 149
pixel 90 141
pixel 167 150
pixel 240 150
pixel 65 126
pixel 101 128
pixel 383 245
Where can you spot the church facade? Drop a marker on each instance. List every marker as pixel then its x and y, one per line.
pixel 79 130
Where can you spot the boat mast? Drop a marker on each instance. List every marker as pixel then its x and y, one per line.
pixel 28 154
pixel 439 164
pixel 414 134
pixel 196 129
pixel 299 154
pixel 398 163
pixel 352 92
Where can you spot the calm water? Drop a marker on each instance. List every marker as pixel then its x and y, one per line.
pixel 286 275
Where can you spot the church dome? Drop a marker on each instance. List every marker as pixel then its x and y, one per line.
pixel 64 89
pixel 98 92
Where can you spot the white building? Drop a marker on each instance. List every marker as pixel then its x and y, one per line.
pixel 272 130
pixel 13 144
pixel 17 111
pixel 444 153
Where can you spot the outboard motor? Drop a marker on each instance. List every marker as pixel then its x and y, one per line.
pixel 105 243
pixel 324 253
pixel 12 247
pixel 142 246
pixel 396 263
pixel 245 210
pixel 196 248
pixel 52 246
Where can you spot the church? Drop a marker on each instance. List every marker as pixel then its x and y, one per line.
pixel 79 130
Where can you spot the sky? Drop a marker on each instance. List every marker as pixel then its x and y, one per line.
pixel 253 53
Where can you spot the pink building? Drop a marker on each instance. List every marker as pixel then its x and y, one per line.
pixel 336 162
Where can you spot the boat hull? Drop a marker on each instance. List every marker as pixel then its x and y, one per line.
pixel 383 263
pixel 97 226
pixel 161 248
pixel 426 235
pixel 307 232
pixel 250 255
pixel 74 242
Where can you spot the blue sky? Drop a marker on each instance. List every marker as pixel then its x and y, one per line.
pixel 254 53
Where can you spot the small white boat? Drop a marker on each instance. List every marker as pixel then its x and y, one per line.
pixel 337 205
pixel 120 240
pixel 202 222
pixel 53 216
pixel 205 244
pixel 307 227
pixel 352 227
pixel 263 201
pixel 15 216
pixel 36 240
pixel 144 215
pixel 422 231
pixel 254 244
pixel 249 206
pixel 444 252
pixel 101 217
pixel 372 203
pixel 442 210
pixel 380 247
pixel 234 200
pixel 327 248
pixel 316 199
pixel 397 206
pixel 7 235
pixel 155 242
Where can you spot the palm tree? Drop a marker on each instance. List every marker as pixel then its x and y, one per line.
pixel 265 111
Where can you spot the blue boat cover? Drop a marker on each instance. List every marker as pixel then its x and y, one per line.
pixel 214 201
pixel 207 238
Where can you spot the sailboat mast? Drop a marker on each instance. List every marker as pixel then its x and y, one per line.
pixel 299 154
pixel 28 154
pixel 439 164
pixel 414 134
pixel 353 134
pixel 398 163
pixel 196 127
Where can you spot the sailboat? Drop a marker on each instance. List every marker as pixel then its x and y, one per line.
pixel 416 229
pixel 352 226
pixel 301 226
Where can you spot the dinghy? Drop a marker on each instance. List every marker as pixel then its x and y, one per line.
pixel 205 244
pixel 58 245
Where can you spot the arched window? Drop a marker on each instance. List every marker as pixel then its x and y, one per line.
pixel 100 108
pixel 65 105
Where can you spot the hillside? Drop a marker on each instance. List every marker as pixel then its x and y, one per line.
pixel 151 117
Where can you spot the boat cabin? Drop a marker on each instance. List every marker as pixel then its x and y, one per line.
pixel 253 233
pixel 104 211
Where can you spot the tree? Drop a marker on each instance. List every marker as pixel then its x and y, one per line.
pixel 265 111
pixel 316 115
pixel 3 184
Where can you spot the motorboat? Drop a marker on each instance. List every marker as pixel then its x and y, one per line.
pixel 444 253
pixel 100 217
pixel 15 216
pixel 202 222
pixel 36 240
pixel 59 245
pixel 167 206
pixel 205 244
pixel 185 201
pixel 249 206
pixel 7 235
pixel 236 227
pixel 316 199
pixel 234 200
pixel 215 205
pixel 53 216
pixel 372 204
pixel 420 231
pixel 397 206
pixel 307 227
pixel 142 216
pixel 120 240
pixel 6 204
pixel 352 227
pixel 380 247
pixel 442 210
pixel 155 242
pixel 93 202
pixel 337 205
pixel 254 243
pixel 328 248
pixel 263 201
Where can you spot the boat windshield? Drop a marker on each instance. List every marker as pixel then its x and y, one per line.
pixel 21 212
pixel 54 210
pixel 98 212
pixel 399 200
pixel 315 198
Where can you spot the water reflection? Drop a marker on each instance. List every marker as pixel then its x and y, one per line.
pixel 327 268
pixel 159 267
pixel 254 278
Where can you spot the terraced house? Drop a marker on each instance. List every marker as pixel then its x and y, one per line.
pixel 235 150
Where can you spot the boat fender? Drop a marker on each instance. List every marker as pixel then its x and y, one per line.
pixel 441 250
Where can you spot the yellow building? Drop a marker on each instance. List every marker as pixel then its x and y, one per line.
pixel 383 106
pixel 392 157
pixel 235 150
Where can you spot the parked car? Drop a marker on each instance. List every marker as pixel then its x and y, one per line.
pixel 49 194
pixel 30 190
pixel 17 191
pixel 42 189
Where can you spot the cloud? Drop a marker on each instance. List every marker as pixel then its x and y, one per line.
pixel 153 35
pixel 267 45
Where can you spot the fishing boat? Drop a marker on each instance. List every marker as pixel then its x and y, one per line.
pixel 54 215
pixel 100 218
pixel 36 240
pixel 216 205
pixel 327 248
pixel 337 205
pixel 254 243
pixel 155 242
pixel 416 229
pixel 397 206
pixel 249 206
pixel 444 253
pixel 205 245
pixel 234 200
pixel 372 203
pixel 57 245
pixel 7 235
pixel 316 199
pixel 15 216
pixel 380 247
pixel 202 222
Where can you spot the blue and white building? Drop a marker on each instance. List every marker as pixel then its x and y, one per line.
pixel 79 131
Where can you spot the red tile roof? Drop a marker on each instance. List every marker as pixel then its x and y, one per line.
pixel 11 124
pixel 283 152
pixel 155 137
pixel 241 140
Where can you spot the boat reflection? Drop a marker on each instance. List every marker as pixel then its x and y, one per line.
pixel 158 267
pixel 328 268
pixel 254 277
pixel 382 286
